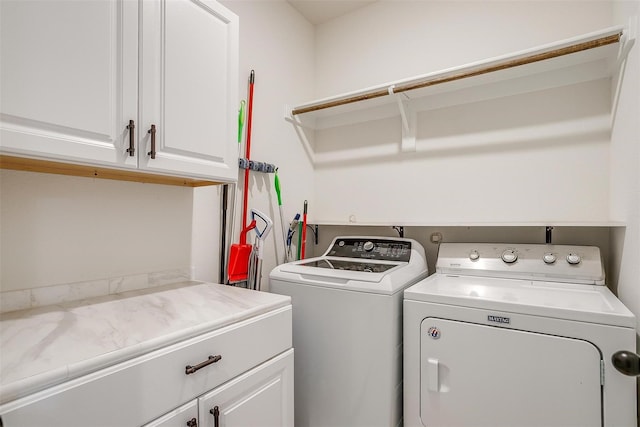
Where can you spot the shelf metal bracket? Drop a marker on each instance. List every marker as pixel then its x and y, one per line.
pixel 409 122
pixel 629 35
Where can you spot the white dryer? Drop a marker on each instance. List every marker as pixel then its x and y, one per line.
pixel 516 336
pixel 347 329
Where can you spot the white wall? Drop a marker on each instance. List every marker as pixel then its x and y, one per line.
pixel 392 40
pixel 625 171
pixel 536 157
pixel 58 229
pixel 278 44
pixel 477 162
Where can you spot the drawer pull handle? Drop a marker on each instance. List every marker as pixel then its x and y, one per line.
pixel 192 423
pixel 216 416
pixel 191 369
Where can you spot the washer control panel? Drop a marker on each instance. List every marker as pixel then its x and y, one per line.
pixel 563 263
pixel 371 248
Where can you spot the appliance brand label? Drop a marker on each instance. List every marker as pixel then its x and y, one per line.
pixel 499 319
pixel 434 332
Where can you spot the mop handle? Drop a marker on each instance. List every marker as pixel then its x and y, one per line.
pixel 276 183
pixel 247 153
pixel 284 234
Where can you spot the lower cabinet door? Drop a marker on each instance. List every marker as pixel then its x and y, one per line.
pixel 184 416
pixel 262 397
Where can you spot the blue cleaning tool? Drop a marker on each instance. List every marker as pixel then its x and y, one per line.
pixel 292 229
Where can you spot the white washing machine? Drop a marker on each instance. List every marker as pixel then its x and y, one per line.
pixel 347 329
pixel 516 336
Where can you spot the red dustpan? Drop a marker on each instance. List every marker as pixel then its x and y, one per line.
pixel 239 257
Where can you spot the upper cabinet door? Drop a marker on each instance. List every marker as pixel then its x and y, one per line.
pixel 189 88
pixel 69 79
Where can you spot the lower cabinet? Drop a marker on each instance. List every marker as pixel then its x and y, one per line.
pixel 262 397
pixel 238 375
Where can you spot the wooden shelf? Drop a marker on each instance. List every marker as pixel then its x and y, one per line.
pixel 88 171
pixel 588 57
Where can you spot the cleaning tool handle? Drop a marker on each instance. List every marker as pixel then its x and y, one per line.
pixel 247 149
pixel 243 233
pixel 304 230
pixel 299 239
pixel 241 120
pixel 276 183
pixel 292 228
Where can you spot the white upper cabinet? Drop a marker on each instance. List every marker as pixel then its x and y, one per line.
pixel 69 79
pixel 75 74
pixel 188 88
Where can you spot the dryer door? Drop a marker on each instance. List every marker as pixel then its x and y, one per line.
pixel 487 376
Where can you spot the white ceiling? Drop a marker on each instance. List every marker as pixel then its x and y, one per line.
pixel 319 11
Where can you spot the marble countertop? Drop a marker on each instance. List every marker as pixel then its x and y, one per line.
pixel 45 346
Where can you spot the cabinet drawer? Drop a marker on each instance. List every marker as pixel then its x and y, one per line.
pixel 141 389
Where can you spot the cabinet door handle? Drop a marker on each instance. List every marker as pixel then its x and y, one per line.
pixel 192 423
pixel 216 416
pixel 212 359
pixel 152 131
pixel 132 145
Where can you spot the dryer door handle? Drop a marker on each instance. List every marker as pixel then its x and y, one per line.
pixel 432 374
pixel 626 362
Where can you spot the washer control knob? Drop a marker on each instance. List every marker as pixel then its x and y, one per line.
pixel 549 258
pixel 573 258
pixel 368 246
pixel 474 255
pixel 509 256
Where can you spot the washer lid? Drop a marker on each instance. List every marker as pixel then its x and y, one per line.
pixel 343 268
pixel 586 303
pixel 379 265
pixel 395 277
